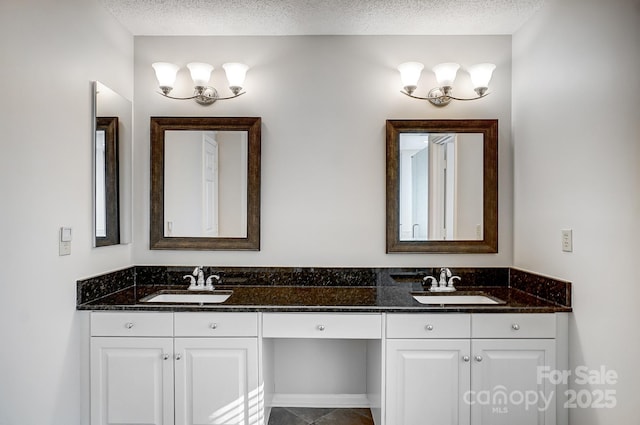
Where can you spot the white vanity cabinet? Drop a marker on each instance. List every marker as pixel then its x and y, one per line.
pixel 193 368
pixel 477 369
pixel 216 371
pixel 508 354
pixel 132 368
pixel 428 369
pixel 202 369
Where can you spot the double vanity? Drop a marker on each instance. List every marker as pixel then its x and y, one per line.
pixel 416 346
pixel 325 337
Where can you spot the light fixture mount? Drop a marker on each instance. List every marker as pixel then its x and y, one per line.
pixel 437 97
pixel 204 96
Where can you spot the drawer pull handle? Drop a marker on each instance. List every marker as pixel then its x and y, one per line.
pixel 214 326
pixel 515 327
pixel 128 325
pixel 465 358
pixel 321 327
pixel 178 356
pixel 478 358
pixel 165 357
pixel 429 327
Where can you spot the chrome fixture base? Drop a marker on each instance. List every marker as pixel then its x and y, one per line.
pixel 204 95
pixel 442 289
pixel 439 97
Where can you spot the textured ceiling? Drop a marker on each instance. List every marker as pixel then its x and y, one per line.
pixel 321 17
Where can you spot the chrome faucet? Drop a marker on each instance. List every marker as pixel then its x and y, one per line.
pixel 200 284
pixel 446 281
pixel 196 284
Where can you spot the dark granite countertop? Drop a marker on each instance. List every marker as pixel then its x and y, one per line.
pixel 521 294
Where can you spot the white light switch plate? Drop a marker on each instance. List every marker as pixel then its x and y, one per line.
pixel 64 243
pixel 65 234
pixel 567 240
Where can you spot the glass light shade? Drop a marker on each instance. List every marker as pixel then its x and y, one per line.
pixel 481 74
pixel 236 72
pixel 165 73
pixel 200 73
pixel 446 73
pixel 410 73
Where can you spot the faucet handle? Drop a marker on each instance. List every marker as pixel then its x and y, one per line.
pixel 212 277
pixel 193 285
pixel 434 282
pixel 451 282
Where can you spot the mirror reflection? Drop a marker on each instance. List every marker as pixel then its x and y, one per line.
pixel 440 186
pixel 205 183
pixel 107 221
pixel 112 135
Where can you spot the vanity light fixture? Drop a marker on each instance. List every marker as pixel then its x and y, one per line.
pixel 200 74
pixel 445 75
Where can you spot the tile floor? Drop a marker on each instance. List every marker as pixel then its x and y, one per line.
pixel 319 416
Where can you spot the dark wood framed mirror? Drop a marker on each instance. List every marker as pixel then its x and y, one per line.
pixel 442 186
pixel 205 183
pixel 107 196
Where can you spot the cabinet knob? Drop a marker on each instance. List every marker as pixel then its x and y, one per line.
pixel 128 325
pixel 214 326
pixel 478 358
pixel 321 327
pixel 165 357
pixel 429 327
pixel 515 327
pixel 178 356
pixel 465 358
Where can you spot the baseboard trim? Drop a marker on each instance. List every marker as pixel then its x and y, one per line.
pixel 320 400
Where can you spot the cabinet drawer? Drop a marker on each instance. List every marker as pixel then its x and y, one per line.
pixel 322 325
pixel 131 324
pixel 428 326
pixel 513 325
pixel 216 324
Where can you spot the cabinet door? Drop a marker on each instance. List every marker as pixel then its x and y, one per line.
pixel 506 388
pixel 131 381
pixel 426 381
pixel 216 381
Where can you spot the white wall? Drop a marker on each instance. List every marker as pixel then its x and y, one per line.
pixel 323 102
pixel 577 154
pixel 51 51
pixel 320 366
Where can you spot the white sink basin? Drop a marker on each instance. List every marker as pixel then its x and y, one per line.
pixel 186 298
pixel 456 299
